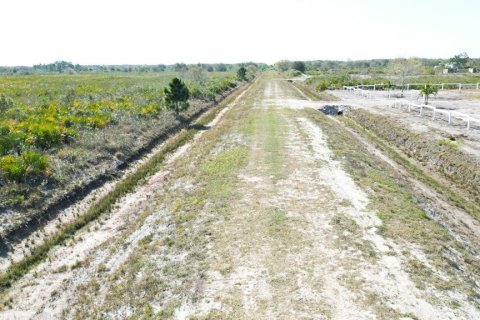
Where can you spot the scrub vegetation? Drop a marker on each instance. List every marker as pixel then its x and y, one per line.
pixel 61 133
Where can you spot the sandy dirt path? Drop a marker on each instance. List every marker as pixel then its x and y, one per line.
pixel 255 219
pixel 283 255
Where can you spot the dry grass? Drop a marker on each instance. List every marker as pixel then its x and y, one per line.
pixel 403 217
pixel 444 158
pixel 158 271
pixel 314 95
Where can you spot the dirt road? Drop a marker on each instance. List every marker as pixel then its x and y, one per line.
pixel 276 212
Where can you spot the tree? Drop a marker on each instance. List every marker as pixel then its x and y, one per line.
pixel 242 73
pixel 252 69
pixel 460 60
pixel 427 91
pixel 389 86
pixel 180 67
pixel 299 66
pixel 220 67
pixel 402 68
pixel 177 95
pixel 283 65
pixel 197 74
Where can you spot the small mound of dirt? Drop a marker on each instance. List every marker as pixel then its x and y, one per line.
pixel 335 110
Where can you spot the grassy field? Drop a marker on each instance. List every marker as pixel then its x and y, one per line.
pixel 60 132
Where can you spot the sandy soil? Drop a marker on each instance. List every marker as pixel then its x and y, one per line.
pixel 35 295
pixel 466 102
pixel 310 270
pixel 300 239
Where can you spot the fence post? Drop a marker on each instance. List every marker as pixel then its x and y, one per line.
pixel 468 123
pixel 408 86
pixel 459 86
pixel 450 118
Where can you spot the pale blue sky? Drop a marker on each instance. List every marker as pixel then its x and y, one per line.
pixel 152 32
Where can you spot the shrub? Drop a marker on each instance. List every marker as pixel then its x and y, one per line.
pixel 96 122
pixel 35 163
pixel 13 167
pixel 29 163
pixel 322 86
pixel 5 102
pixel 45 135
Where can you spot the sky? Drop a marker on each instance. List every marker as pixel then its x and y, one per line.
pixel 231 31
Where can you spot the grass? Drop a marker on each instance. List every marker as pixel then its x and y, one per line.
pixel 274 141
pixel 157 273
pixel 313 94
pixel 106 203
pixel 277 222
pixel 444 157
pixel 400 210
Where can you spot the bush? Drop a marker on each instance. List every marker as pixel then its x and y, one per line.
pixel 45 135
pixel 299 66
pixel 322 86
pixel 5 102
pixel 29 163
pixel 13 167
pixel 35 163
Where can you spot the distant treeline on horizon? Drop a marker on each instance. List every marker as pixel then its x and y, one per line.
pixel 70 68
pixel 349 66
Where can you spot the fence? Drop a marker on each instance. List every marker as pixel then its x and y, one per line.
pixel 436 113
pixel 411 86
pixel 358 91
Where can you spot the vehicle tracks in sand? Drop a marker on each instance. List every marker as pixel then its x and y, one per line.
pixel 276 228
pixel 307 266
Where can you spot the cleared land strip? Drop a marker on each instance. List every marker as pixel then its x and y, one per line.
pixel 277 212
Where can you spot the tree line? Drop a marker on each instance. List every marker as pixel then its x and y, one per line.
pixel 377 66
pixel 70 68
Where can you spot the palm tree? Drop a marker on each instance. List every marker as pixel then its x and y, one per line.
pixel 427 91
pixel 389 86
